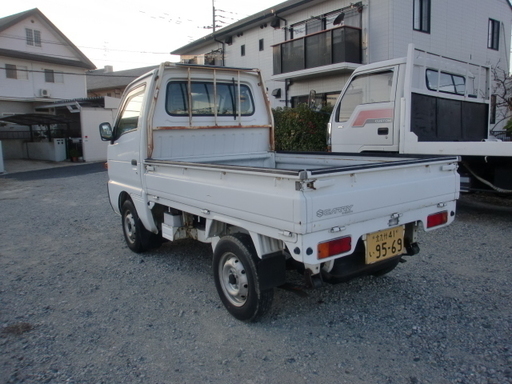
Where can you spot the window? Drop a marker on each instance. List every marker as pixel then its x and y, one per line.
pixel 321 100
pixel 37 38
pixel 365 89
pixel 30 36
pixel 493 39
pixel 129 117
pixel 446 82
pixel 19 72
pixel 421 15
pixel 204 102
pixel 33 37
pixel 10 71
pixel 50 76
pixel 261 44
pixel 242 50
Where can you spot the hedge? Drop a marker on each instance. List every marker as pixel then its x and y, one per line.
pixel 301 129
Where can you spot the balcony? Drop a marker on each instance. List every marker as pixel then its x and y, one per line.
pixel 334 46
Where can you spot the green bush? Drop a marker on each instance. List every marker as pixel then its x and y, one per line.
pixel 508 127
pixel 301 129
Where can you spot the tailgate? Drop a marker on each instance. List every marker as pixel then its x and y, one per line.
pixel 365 193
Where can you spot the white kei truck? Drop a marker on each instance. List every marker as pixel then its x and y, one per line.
pixel 425 104
pixel 191 155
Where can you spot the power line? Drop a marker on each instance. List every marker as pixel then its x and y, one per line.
pixel 99 74
pixel 15 37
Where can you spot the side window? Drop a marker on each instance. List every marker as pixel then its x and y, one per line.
pixel 129 117
pixel 445 82
pixel 365 89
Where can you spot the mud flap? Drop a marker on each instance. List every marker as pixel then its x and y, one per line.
pixel 271 270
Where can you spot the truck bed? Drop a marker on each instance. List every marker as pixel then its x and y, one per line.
pixel 303 192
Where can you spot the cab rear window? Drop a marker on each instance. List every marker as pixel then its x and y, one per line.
pixel 206 101
pixel 445 82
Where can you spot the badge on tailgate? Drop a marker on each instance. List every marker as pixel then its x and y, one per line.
pixel 384 244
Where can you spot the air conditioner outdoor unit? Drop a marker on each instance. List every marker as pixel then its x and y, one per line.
pixel 44 92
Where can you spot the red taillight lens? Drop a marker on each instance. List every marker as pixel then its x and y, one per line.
pixel 334 247
pixel 436 219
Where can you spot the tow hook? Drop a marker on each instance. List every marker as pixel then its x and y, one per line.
pixel 313 281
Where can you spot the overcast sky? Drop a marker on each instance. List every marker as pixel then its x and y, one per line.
pixel 130 34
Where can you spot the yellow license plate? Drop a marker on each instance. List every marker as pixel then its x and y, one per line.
pixel 384 244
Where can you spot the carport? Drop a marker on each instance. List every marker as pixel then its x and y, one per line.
pixel 40 119
pixel 54 145
pixel 72 124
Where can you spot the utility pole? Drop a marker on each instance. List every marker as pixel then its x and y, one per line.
pixel 213 14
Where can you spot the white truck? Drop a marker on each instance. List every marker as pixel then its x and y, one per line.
pixel 425 104
pixel 191 156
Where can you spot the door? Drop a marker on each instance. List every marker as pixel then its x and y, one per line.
pixel 364 116
pixel 124 152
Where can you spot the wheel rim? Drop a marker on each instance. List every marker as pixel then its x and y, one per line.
pixel 233 279
pixel 129 226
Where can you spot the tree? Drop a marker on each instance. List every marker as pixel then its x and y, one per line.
pixel 501 101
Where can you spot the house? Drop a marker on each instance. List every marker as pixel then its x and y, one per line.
pixel 305 45
pixel 107 82
pixel 38 66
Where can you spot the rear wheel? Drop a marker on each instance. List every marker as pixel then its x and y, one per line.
pixel 138 238
pixel 236 278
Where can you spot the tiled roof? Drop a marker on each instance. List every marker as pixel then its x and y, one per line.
pixel 99 79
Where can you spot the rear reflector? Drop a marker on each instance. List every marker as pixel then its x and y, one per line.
pixel 334 247
pixel 436 219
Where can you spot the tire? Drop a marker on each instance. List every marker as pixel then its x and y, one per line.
pixel 236 278
pixel 138 238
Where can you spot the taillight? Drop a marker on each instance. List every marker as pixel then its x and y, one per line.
pixel 436 219
pixel 334 247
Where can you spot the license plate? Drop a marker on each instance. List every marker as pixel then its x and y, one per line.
pixel 384 244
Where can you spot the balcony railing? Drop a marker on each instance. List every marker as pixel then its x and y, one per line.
pixel 333 46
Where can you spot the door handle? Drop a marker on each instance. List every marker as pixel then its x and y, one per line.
pixel 134 162
pixel 382 131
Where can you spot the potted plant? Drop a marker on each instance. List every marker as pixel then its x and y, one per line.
pixel 74 154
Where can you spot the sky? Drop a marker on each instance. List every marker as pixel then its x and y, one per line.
pixel 128 33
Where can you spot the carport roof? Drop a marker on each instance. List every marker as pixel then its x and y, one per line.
pixel 35 119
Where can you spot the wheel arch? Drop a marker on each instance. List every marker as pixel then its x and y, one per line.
pixel 143 211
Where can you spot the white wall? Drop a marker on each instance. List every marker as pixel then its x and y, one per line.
pixel 73 83
pixel 94 149
pixel 458 29
pixel 51 43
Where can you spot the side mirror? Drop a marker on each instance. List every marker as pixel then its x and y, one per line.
pixel 106 132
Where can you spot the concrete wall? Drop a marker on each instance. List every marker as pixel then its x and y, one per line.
pixel 54 151
pixel 14 149
pixel 94 149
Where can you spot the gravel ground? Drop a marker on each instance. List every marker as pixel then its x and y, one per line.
pixel 76 306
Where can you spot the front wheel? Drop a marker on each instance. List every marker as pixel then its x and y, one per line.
pixel 236 278
pixel 138 238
